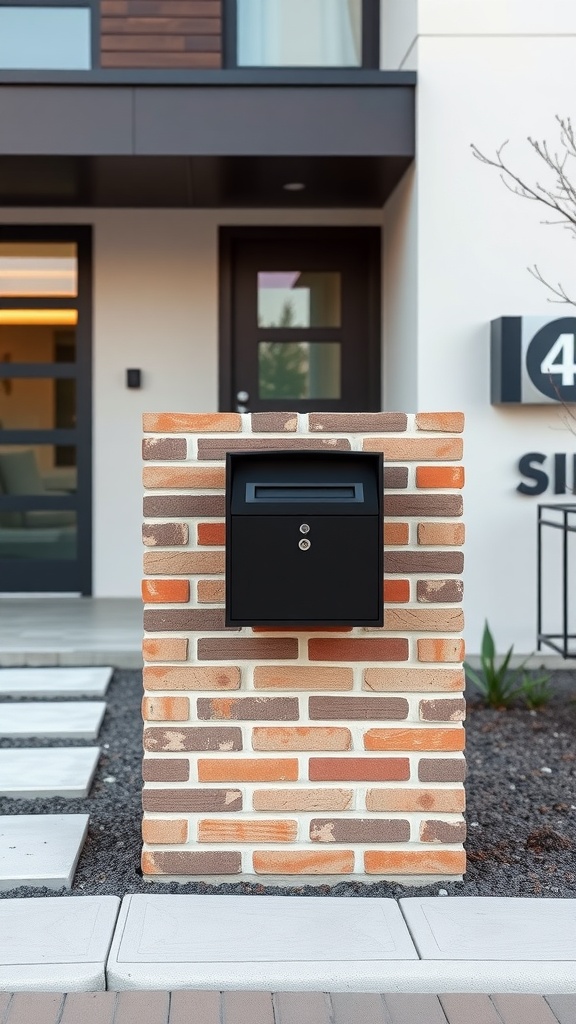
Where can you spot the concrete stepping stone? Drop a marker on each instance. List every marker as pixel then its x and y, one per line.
pixel 54 682
pixel 496 944
pixel 263 942
pixel 40 849
pixel 40 772
pixel 72 720
pixel 55 944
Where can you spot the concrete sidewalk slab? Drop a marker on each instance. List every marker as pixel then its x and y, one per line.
pixel 41 772
pixel 54 682
pixel 231 942
pixel 54 943
pixel 72 720
pixel 40 849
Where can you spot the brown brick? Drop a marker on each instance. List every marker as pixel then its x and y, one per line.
pixel 443 710
pixel 233 831
pixel 165 830
pixel 441 769
pixel 429 800
pixel 414 739
pixel 442 831
pixel 395 477
pixel 165 709
pixel 414 449
pixel 387 649
pixel 301 738
pixel 165 535
pixel 246 648
pixel 181 620
pixel 302 677
pixel 423 561
pixel 415 862
pixel 165 769
pixel 184 862
pixel 166 449
pixel 355 709
pixel 419 620
pixel 446 422
pixel 191 423
pixel 359 830
pixel 413 679
pixel 183 476
pixel 211 591
pixel 430 505
pixel 163 506
pixel 212 534
pixel 274 421
pixel 213 448
pixel 304 862
pixel 441 650
pixel 441 591
pixel 191 677
pixel 396 591
pixel 165 648
pixel 165 592
pixel 359 769
pixel 192 800
pixel 182 563
pixel 396 533
pixel 205 738
pixel 302 799
pixel 247 709
pixel 253 769
pixel 358 422
pixel 442 534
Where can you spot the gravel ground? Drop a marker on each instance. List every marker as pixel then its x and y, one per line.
pixel 521 807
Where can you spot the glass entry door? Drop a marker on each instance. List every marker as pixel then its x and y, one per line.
pixel 45 410
pixel 302 329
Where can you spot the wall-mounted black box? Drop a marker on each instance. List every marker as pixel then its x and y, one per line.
pixel 304 539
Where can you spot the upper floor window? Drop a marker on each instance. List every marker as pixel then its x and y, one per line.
pixel 305 33
pixel 45 38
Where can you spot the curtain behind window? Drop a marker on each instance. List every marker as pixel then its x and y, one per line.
pixel 299 33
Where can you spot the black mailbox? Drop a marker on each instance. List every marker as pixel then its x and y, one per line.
pixel 304 539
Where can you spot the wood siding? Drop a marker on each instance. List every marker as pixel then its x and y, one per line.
pixel 161 34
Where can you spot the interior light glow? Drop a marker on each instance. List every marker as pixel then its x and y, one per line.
pixel 39 317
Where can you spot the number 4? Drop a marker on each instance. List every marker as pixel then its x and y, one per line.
pixel 564 347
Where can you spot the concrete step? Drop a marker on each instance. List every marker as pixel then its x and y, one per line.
pixel 40 849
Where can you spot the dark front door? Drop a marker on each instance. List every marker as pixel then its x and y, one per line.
pixel 45 410
pixel 300 319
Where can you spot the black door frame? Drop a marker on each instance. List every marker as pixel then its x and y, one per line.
pixel 371 237
pixel 71 575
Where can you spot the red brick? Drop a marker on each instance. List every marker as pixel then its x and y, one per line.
pixel 359 769
pixel 212 534
pixel 421 620
pixel 304 862
pixel 300 738
pixel 165 591
pixel 165 830
pixel 165 535
pixel 191 423
pixel 164 448
pixel 414 449
pixel 396 591
pixel 413 679
pixel 234 831
pixel 441 650
pixel 183 563
pixel 165 709
pixel 211 591
pixel 191 677
pixel 183 477
pixel 359 830
pixel 303 799
pixel 446 422
pixel 396 533
pixel 248 770
pixel 441 534
pixel 414 739
pixel 302 677
pixel 387 649
pixel 355 709
pixel 415 862
pixel 429 800
pixel 448 477
pixel 246 648
pixel 185 862
pixel 247 709
pixel 165 648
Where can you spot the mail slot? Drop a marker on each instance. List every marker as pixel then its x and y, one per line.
pixel 304 539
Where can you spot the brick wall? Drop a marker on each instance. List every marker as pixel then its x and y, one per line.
pixel 280 752
pixel 161 33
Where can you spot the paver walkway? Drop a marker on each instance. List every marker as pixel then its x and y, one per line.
pixel 281 1008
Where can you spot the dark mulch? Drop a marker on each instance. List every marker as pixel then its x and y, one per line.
pixel 521 807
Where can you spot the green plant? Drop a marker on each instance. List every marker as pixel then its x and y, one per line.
pixel 500 684
pixel 536 691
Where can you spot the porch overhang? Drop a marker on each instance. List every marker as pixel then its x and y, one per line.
pixel 220 139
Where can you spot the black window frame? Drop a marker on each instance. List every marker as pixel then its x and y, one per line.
pixel 370 42
pixel 92 5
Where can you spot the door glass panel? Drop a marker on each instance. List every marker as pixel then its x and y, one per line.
pixel 37 343
pixel 37 403
pixel 299 33
pixel 299 369
pixel 296 298
pixel 38 535
pixel 38 268
pixel 36 469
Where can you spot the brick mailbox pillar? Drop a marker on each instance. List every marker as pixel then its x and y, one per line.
pixel 290 752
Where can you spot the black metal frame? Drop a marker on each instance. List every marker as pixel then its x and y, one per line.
pixel 93 5
pixel 370 35
pixel 58 575
pixel 567 525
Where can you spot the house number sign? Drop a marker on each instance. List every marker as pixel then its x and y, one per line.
pixel 532 360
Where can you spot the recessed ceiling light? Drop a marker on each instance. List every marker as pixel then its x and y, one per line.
pixel 294 186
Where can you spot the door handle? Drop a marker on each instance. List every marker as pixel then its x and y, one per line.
pixel 242 398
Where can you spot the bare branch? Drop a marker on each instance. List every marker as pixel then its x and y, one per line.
pixel 558 290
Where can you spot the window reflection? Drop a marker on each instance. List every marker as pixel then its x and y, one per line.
pixel 299 369
pixel 299 33
pixel 295 298
pixel 37 269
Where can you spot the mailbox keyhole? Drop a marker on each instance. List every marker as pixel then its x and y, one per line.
pixel 304 528
pixel 304 544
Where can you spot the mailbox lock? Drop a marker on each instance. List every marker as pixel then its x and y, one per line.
pixel 304 545
pixel 304 528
